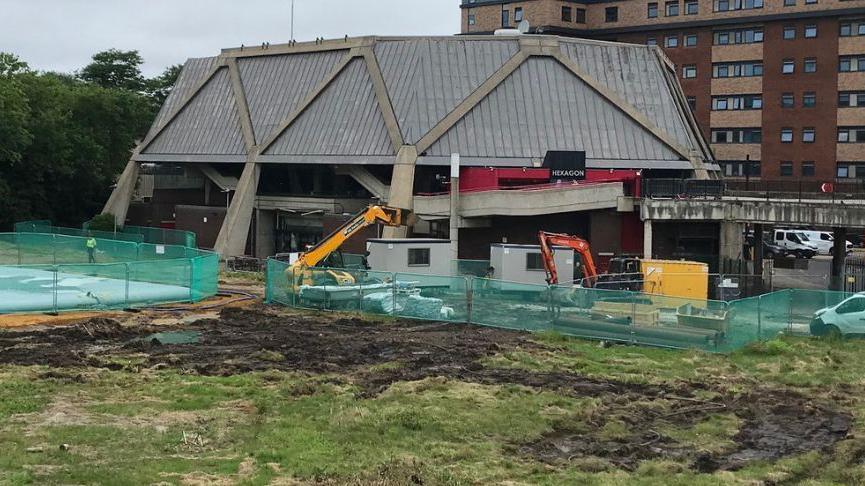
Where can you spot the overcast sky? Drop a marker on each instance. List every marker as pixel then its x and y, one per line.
pixel 61 35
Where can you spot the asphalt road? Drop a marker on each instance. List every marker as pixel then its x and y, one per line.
pixel 816 277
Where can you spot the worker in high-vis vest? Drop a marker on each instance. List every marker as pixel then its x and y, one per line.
pixel 91 249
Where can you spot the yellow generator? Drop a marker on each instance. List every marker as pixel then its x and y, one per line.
pixel 674 278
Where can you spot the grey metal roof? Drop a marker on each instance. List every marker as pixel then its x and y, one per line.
pixel 542 106
pixel 275 85
pixel 428 77
pixel 344 120
pixel 634 73
pixel 209 124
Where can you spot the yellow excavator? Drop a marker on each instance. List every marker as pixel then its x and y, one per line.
pixel 327 254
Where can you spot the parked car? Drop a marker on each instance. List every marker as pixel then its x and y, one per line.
pixel 824 241
pixel 844 318
pixel 795 243
pixel 771 250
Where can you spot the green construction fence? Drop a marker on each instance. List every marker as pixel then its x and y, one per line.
pixel 613 315
pixel 55 272
pixel 136 234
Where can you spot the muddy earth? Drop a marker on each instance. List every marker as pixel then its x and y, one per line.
pixel 774 423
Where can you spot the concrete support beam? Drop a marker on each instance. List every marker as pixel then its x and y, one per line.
pixel 235 230
pixel 402 187
pixel 118 202
pixel 732 240
pixel 758 249
pixel 265 245
pixel 839 258
pixel 647 239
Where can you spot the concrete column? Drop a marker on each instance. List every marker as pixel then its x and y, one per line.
pixel 455 207
pixel 402 187
pixel 758 250
pixel 235 230
pixel 118 202
pixel 265 246
pixel 839 257
pixel 732 240
pixel 647 239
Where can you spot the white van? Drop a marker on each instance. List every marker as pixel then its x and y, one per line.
pixel 795 242
pixel 824 241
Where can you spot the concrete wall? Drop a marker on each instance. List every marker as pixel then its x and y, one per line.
pixel 204 221
pixel 475 242
pixel 842 214
pixel 265 226
pixel 509 262
pixel 391 255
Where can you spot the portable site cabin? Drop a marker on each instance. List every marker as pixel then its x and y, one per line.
pixel 410 255
pixel 524 263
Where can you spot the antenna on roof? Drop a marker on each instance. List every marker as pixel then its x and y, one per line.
pixel 292 19
pixel 524 26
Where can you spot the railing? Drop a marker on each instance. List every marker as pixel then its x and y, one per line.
pixel 836 190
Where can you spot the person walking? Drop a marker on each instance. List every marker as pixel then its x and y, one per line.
pixel 91 249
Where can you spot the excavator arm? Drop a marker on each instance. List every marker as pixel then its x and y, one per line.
pixel 369 216
pixel 579 245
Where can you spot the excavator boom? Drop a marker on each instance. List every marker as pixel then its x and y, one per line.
pixel 579 245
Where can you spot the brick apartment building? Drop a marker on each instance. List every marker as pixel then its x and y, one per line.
pixel 777 83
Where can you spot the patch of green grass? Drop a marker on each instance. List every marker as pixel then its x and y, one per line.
pixel 714 434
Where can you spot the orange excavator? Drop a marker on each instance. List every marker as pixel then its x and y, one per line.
pixel 579 245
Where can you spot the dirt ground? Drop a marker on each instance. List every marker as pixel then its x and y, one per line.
pixel 775 423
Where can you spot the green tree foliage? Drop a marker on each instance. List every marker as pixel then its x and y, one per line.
pixel 64 139
pixel 160 87
pixel 102 222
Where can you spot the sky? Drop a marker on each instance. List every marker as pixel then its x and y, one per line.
pixel 62 35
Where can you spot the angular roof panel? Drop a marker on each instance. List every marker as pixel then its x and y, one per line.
pixel 428 77
pixel 275 85
pixel 542 106
pixel 208 125
pixel 194 71
pixel 344 120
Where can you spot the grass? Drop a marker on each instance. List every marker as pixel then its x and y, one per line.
pixel 131 427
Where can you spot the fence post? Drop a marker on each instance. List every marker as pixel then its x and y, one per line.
pixel 470 282
pixel 54 306
pixel 759 318
pixel 191 280
pixel 126 300
pixel 393 285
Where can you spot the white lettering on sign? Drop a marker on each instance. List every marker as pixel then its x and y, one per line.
pixel 568 173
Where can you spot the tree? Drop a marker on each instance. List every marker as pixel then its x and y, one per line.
pixel 10 64
pixel 115 69
pixel 160 87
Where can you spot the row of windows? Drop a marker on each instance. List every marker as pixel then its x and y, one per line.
pixel 672 40
pixel 728 5
pixel 737 102
pixel 737 69
pixel 853 28
pixel 738 36
pixel 568 15
pixel 809 100
pixel 848 64
pixel 847 99
pixel 788 66
pixel 790 32
pixel 738 168
pixel 848 170
pixel 671 8
pixel 808 135
pixel 851 134
pixel 737 135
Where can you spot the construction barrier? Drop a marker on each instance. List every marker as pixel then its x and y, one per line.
pixel 613 315
pixel 54 272
pixel 135 234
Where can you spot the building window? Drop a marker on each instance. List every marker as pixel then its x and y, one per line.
pixel 810 31
pixel 692 102
pixel 808 135
pixel 789 32
pixel 787 100
pixel 534 262
pixel 690 40
pixel 786 169
pixel 810 2
pixel 671 41
pixel 846 30
pixel 518 14
pixel 786 135
pixel 651 41
pixel 506 19
pixel 689 71
pixel 418 257
pixel 692 7
pixel 611 14
pixel 738 168
pixel 843 171
pixel 810 65
pixel 737 135
pixel 737 102
pixel 808 169
pixel 851 63
pixel 809 99
pixel 567 14
pixel 728 5
pixel 788 67
pixel 672 8
pixel 789 3
pixel 652 10
pixel 738 36
pixel 851 134
pixel 472 19
pixel 848 99
pixel 581 16
pixel 737 69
